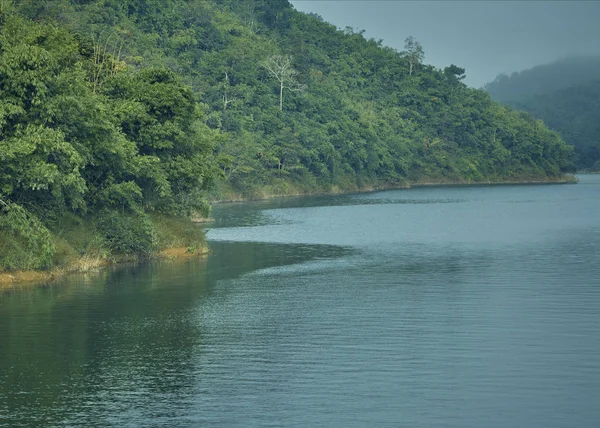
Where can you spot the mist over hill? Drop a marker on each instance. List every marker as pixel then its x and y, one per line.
pixel 565 94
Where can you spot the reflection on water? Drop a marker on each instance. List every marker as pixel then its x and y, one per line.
pixel 454 307
pixel 100 347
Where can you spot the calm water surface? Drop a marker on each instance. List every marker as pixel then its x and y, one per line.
pixel 433 307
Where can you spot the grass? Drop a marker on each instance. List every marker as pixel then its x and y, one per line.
pixel 80 245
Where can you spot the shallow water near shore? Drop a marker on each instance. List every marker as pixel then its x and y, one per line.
pixel 432 307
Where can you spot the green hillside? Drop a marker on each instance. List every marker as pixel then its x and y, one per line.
pixel 120 116
pixel 566 96
pixel 574 113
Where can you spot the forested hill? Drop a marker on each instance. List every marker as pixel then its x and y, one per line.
pixel 352 112
pixel 565 95
pixel 545 79
pixel 113 112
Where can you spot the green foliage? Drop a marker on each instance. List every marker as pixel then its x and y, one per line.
pixel 565 95
pixel 120 112
pixel 174 231
pixel 128 233
pixel 573 112
pixel 25 243
pixel 82 133
pixel 76 236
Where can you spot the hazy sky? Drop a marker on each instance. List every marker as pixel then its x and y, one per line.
pixel 485 37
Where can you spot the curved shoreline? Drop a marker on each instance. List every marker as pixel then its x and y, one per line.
pixel 85 264
pixel 264 194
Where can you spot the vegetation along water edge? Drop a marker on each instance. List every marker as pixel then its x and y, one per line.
pixel 121 121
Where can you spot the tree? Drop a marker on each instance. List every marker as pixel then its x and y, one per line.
pixel 454 73
pixel 280 67
pixel 413 52
pixel 226 99
pixel 106 63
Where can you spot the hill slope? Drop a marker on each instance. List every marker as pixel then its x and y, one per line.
pixel 115 112
pixel 565 95
pixel 363 117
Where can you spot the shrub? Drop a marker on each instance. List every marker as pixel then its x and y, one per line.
pixel 177 232
pixel 25 243
pixel 127 233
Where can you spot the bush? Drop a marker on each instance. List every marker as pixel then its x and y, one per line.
pixel 127 233
pixel 25 243
pixel 177 232
pixel 80 233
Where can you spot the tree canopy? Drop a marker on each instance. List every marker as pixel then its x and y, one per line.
pixel 75 141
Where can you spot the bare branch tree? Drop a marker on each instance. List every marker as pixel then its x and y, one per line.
pixel 414 53
pixel 248 15
pixel 107 60
pixel 226 99
pixel 280 67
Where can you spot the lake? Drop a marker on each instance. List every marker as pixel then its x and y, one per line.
pixel 430 307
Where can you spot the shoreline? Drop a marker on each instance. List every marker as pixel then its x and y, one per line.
pixel 85 264
pixel 265 195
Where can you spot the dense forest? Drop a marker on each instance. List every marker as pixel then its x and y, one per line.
pixel 121 118
pixel 566 96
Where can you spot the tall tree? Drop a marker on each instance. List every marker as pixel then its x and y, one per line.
pixel 280 67
pixel 454 73
pixel 413 52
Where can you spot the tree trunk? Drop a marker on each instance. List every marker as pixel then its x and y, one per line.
pixel 281 95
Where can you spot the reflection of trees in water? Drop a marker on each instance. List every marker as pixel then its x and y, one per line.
pixel 112 342
pixel 256 213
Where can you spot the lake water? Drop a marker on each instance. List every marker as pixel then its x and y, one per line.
pixel 429 307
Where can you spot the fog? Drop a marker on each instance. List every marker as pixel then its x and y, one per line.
pixel 487 38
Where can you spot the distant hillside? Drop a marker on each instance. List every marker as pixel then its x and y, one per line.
pixel 566 96
pixel 544 79
pixel 575 113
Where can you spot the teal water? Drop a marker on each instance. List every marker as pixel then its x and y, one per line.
pixel 431 307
